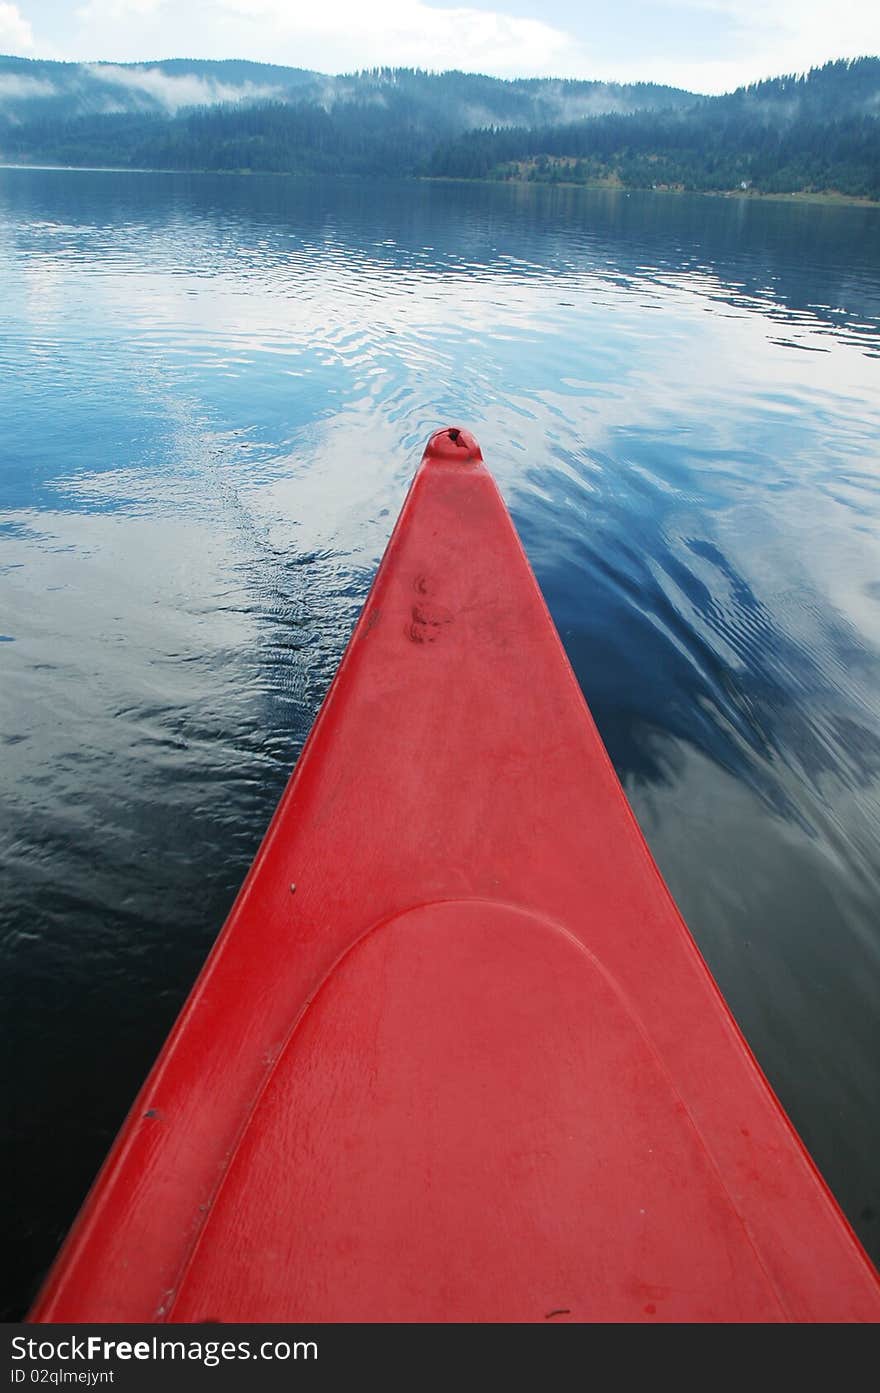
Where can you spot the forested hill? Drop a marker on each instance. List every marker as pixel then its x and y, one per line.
pixel 818 131
pixel 33 90
pixel 183 114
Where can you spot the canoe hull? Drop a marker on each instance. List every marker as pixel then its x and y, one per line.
pixel 455 1055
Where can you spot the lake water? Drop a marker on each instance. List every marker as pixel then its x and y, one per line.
pixel 213 393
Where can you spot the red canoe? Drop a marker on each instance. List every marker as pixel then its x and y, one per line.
pixel 455 1056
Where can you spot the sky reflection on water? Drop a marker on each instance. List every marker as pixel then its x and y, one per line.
pixel 214 392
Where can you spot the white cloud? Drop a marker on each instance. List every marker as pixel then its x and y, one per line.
pixel 333 36
pixel 739 40
pixel 16 35
pixel 782 36
pixel 118 9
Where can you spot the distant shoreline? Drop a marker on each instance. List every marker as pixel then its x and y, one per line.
pixel 826 197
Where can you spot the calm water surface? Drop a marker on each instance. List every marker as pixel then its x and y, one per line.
pixel 213 392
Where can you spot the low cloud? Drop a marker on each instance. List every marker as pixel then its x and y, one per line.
pixel 174 92
pixel 21 88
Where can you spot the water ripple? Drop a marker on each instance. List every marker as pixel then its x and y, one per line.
pixel 214 391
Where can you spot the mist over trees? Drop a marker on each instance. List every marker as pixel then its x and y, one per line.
pixel 815 131
pixel 450 102
pixel 818 131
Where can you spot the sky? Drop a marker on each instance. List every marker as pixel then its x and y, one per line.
pixel 702 45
